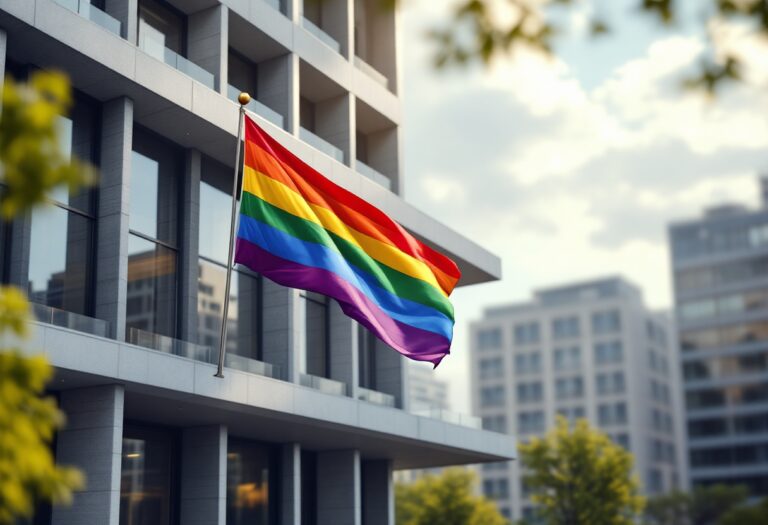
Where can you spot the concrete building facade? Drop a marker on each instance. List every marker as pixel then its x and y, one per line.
pixel 588 350
pixel 720 273
pixel 127 280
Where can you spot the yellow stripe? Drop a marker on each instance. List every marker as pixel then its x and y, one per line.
pixel 288 200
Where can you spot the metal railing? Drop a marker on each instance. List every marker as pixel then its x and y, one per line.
pixel 73 321
pixel 377 177
pixel 169 345
pixel 323 384
pixel 257 107
pixel 253 366
pixel 92 13
pixel 450 417
pixel 375 397
pixel 321 144
pixel 324 37
pixel 157 49
pixel 371 71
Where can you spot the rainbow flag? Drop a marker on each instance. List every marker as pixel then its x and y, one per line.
pixel 301 230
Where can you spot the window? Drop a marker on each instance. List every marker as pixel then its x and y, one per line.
pixel 496 488
pixel 622 440
pixel 567 358
pixel 318 345
pixel 492 368
pixel 612 414
pixel 489 339
pixel 529 392
pixel 244 318
pixel 156 166
pixel 609 352
pixel 610 383
pixel 571 413
pixel 529 363
pixel 565 327
pixel 495 424
pixel 492 396
pixel 608 322
pixel 527 333
pixel 252 481
pixel 530 422
pixel 160 28
pixel 569 387
pixel 149 476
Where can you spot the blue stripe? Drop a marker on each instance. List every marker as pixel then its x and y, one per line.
pixel 318 256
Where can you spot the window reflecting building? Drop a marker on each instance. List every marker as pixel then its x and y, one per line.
pixel 128 277
pixel 588 350
pixel 720 269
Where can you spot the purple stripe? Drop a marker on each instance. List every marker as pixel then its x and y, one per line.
pixel 415 343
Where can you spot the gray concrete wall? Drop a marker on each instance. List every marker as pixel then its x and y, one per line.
pixel 274 75
pixel 290 484
pixel 338 488
pixel 204 475
pixel 208 42
pixel 92 439
pixel 277 334
pixel 334 123
pixel 188 254
pixel 343 340
pixel 127 12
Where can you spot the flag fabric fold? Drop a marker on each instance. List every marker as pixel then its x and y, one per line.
pixel 299 229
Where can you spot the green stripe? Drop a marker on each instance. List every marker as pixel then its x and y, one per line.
pixel 388 278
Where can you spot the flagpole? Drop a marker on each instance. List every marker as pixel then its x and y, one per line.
pixel 243 99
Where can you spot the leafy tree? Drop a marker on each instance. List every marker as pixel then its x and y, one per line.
pixel 580 477
pixel 747 515
pixel 668 509
pixel 447 499
pixel 704 506
pixel 32 165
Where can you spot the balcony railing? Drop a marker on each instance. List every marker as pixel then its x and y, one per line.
pixel 92 13
pixel 324 37
pixel 321 144
pixel 450 417
pixel 169 345
pixel 325 385
pixel 73 321
pixel 367 171
pixel 257 107
pixel 155 47
pixel 253 366
pixel 371 71
pixel 377 398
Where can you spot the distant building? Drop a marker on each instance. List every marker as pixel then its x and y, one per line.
pixel 589 350
pixel 427 392
pixel 720 269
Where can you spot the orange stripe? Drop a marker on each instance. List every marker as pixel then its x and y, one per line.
pixel 260 160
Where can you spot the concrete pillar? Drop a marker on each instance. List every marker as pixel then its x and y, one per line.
pixel 92 440
pixel 274 75
pixel 208 42
pixel 188 253
pixel 344 343
pixel 378 498
pixel 334 122
pixel 392 374
pixel 114 198
pixel 278 331
pixel 203 492
pixel 127 12
pixel 290 484
pixel 294 94
pixel 338 488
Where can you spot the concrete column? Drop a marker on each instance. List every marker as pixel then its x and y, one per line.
pixel 208 42
pixel 378 498
pixel 392 374
pixel 343 349
pixel 334 121
pixel 127 12
pixel 290 484
pixel 93 442
pixel 204 475
pixel 294 95
pixel 274 75
pixel 114 199
pixel 188 254
pixel 278 334
pixel 338 488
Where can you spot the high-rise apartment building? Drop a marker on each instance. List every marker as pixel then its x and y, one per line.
pixel 588 350
pixel 128 277
pixel 720 270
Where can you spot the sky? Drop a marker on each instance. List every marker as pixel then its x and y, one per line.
pixel 570 167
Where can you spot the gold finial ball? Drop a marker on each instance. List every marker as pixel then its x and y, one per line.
pixel 244 99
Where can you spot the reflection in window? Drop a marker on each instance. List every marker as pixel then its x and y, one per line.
pixel 318 362
pixel 153 213
pixel 148 476
pixel 151 302
pixel 251 483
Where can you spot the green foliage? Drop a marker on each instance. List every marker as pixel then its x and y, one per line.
pixel 447 499
pixel 32 165
pixel 580 477
pixel 30 155
pixel 754 515
pixel 668 509
pixel 704 506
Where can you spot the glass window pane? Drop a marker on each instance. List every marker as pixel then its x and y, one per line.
pixel 251 475
pixel 151 287
pixel 60 255
pixel 215 211
pixel 163 26
pixel 144 178
pixel 317 335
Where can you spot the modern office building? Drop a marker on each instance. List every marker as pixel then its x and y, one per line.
pixel 312 415
pixel 587 350
pixel 720 269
